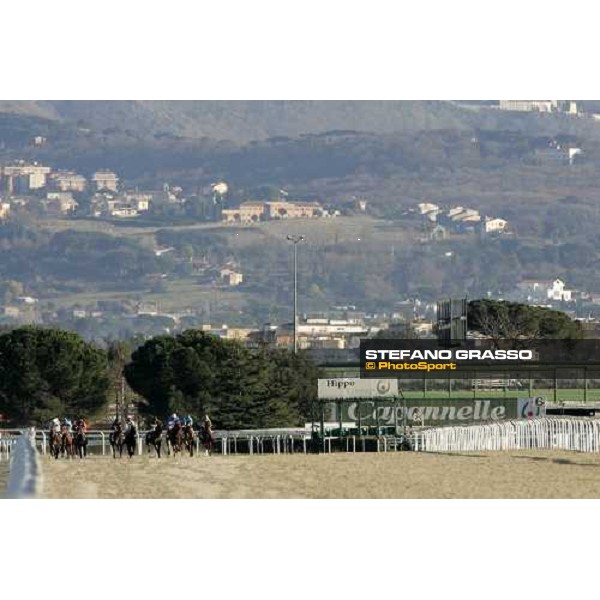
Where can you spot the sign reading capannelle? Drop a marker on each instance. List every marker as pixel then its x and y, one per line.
pixel 344 388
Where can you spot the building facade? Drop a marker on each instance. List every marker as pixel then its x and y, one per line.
pixel 105 180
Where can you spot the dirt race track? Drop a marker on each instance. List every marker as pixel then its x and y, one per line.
pixel 520 474
pixel 3 474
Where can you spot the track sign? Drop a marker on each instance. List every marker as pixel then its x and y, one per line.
pixel 354 388
pixel 529 408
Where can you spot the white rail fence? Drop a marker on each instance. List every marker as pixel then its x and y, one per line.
pixel 25 475
pixel 251 441
pixel 577 434
pixel 7 443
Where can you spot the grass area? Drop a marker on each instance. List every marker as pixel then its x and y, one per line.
pixel 318 231
pixel 186 293
pixel 179 294
pixel 567 395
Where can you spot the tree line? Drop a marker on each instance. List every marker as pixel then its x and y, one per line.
pixel 50 372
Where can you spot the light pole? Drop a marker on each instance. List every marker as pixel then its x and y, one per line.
pixel 295 239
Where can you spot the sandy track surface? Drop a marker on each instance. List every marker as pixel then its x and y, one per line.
pixel 3 475
pixel 523 474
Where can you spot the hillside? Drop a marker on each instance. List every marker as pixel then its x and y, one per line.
pixel 509 166
pixel 245 120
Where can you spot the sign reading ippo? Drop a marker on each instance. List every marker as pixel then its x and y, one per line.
pixel 349 387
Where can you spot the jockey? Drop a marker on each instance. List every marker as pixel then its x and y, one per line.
pixel 189 422
pixel 68 424
pixel 55 425
pixel 80 424
pixel 207 423
pixel 207 435
pixel 130 427
pixel 171 421
pixel 116 424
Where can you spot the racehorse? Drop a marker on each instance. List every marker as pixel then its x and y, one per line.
pixel 116 440
pixel 66 446
pixel 208 441
pixel 130 440
pixel 175 437
pixel 154 438
pixel 55 443
pixel 80 442
pixel 188 439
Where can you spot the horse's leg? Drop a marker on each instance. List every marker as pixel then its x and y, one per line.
pixel 157 447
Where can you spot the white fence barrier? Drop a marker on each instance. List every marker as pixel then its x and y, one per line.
pixel 580 435
pixel 25 476
pixel 252 441
pixel 95 440
pixel 7 443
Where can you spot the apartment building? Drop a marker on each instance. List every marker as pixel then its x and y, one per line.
pixel 67 181
pixel 22 177
pixel 105 180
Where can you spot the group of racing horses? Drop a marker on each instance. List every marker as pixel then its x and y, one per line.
pixel 69 443
pixel 179 438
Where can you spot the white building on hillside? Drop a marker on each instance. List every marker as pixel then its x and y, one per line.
pixel 557 291
pixel 532 290
pixel 493 225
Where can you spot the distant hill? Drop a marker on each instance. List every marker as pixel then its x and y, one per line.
pixel 244 121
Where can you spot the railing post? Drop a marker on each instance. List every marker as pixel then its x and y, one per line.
pixel 24 480
pixel 103 443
